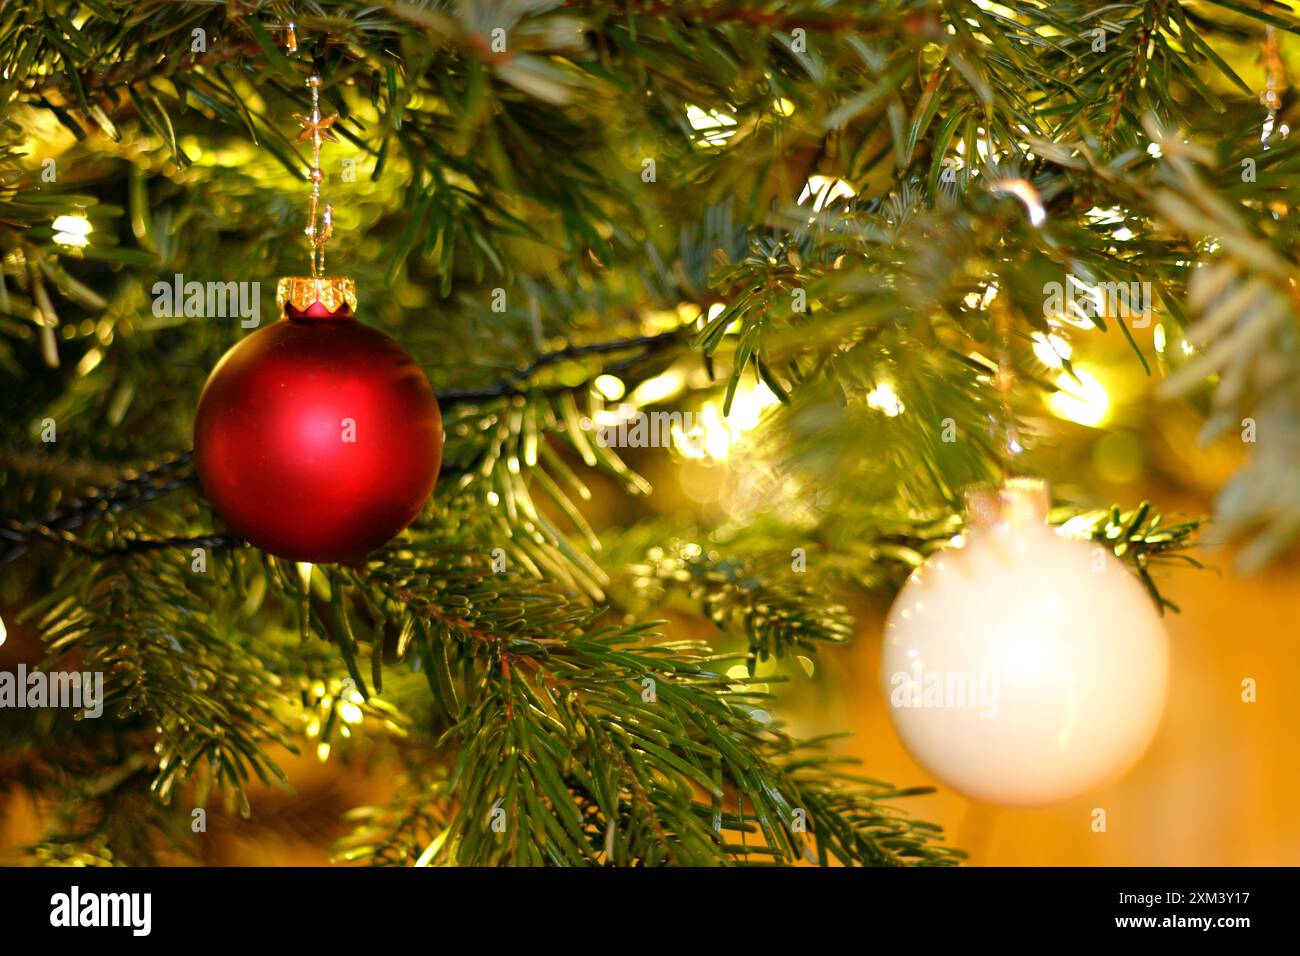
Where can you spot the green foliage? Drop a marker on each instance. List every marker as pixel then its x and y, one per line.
pixel 1140 537
pixel 988 149
pixel 776 611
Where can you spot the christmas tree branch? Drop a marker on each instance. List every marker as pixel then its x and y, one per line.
pixel 876 197
pixel 137 488
pixel 614 729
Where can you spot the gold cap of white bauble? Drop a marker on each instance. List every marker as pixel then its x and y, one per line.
pixel 1023 668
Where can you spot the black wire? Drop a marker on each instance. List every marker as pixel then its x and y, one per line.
pixel 512 384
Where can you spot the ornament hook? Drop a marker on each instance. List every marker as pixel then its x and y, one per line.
pixel 316 129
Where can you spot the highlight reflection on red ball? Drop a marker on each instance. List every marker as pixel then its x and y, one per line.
pixel 317 438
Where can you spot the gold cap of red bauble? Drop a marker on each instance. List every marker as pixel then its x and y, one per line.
pixel 317 438
pixel 330 292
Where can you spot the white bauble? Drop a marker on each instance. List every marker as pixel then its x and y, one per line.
pixel 1024 668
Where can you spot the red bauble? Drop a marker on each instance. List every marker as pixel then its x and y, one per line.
pixel 317 438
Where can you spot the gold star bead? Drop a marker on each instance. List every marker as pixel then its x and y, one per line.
pixel 316 128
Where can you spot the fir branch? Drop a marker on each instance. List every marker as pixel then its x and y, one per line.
pixel 214 703
pixel 762 598
pixel 582 742
pixel 137 488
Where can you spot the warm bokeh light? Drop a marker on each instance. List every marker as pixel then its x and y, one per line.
pixel 824 190
pixel 658 389
pixel 715 128
pixel 884 399
pixel 72 230
pixel 1080 398
pixel 610 387
pixel 1051 349
pixel 714 436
